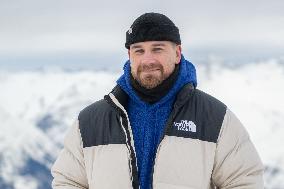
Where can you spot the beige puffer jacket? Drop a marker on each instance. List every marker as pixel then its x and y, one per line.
pixel 204 147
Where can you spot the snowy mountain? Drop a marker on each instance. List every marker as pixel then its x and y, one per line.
pixel 37 107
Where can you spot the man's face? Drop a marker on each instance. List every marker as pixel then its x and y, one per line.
pixel 153 61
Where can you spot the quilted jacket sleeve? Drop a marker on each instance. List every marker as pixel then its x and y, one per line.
pixel 68 170
pixel 237 163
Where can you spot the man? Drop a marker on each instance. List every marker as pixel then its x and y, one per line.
pixel 155 129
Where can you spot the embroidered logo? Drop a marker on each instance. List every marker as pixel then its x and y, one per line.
pixel 185 125
pixel 130 31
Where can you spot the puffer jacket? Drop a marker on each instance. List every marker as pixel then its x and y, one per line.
pixel 204 146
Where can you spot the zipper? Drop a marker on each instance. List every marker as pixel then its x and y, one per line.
pixel 125 124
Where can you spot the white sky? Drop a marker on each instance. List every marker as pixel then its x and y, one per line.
pixel 37 27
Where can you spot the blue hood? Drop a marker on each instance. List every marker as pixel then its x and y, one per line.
pixel 187 74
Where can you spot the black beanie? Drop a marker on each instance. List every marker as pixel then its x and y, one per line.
pixel 152 27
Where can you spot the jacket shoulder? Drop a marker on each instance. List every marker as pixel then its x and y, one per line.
pixel 204 111
pixel 95 121
pixel 209 102
pixel 211 113
pixel 92 108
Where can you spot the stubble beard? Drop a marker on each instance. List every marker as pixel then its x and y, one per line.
pixel 149 81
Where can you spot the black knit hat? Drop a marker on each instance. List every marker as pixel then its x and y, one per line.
pixel 152 27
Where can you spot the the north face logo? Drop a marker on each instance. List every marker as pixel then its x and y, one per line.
pixel 185 125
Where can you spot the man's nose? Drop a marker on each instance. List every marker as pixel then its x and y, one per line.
pixel 148 58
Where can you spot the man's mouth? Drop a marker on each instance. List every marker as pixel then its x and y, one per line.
pixel 151 70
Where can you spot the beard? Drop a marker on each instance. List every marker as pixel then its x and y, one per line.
pixel 149 76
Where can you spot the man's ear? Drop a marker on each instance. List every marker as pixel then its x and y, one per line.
pixel 178 54
pixel 128 53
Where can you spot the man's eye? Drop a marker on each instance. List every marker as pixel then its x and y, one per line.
pixel 139 51
pixel 157 49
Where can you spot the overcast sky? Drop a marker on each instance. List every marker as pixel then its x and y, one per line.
pixel 35 28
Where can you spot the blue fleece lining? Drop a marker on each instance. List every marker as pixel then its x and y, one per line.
pixel 148 120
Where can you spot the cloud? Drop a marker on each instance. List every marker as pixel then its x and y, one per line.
pixel 33 26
